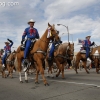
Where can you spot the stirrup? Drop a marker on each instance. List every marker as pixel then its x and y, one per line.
pixel 49 58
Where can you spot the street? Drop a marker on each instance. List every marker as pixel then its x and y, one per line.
pixel 81 86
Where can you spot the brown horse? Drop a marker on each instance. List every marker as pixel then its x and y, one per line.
pixel 82 56
pixel 10 63
pixel 96 58
pixel 38 53
pixel 63 53
pixel 1 70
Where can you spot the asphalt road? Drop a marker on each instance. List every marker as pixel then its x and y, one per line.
pixel 80 86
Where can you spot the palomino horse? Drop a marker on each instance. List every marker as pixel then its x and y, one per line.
pixel 38 53
pixel 82 56
pixel 64 52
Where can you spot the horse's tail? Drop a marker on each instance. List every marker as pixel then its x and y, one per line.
pixel 16 63
pixel 73 62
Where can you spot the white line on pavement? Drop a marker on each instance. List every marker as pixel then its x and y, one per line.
pixel 72 83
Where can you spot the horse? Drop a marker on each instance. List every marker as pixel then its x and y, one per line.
pixel 1 70
pixel 10 63
pixel 63 53
pixel 82 56
pixel 38 53
pixel 96 58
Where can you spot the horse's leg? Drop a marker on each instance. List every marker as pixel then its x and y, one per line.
pixel 63 71
pixel 84 64
pixel 48 72
pixel 76 65
pixel 12 67
pixel 37 73
pixel 52 72
pixel 39 62
pixel 59 67
pixel 19 69
pixel 26 78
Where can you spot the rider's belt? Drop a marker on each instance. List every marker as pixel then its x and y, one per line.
pixel 29 39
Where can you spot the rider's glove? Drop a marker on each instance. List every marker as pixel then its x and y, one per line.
pixel 9 40
pixel 22 41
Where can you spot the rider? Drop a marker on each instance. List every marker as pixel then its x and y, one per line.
pixel 31 34
pixel 86 44
pixel 7 49
pixel 51 53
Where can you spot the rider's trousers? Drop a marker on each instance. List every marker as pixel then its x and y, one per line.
pixel 27 47
pixel 4 58
pixel 52 50
pixel 87 52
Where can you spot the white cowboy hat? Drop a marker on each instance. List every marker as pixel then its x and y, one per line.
pixel 31 21
pixel 88 36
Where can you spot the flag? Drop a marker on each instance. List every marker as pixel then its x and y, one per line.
pixel 80 41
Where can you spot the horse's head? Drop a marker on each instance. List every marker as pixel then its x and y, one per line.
pixel 95 52
pixel 53 34
pixel 70 50
pixel 12 56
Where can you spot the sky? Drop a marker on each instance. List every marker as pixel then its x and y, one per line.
pixel 81 16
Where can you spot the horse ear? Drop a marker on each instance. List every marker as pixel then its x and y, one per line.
pixel 49 25
pixel 68 43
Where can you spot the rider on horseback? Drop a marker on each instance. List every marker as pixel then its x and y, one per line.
pixel 31 34
pixel 51 53
pixel 7 49
pixel 86 44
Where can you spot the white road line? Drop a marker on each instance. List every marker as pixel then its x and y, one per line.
pixel 72 83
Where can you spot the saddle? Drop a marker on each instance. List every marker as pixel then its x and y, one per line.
pixel 22 48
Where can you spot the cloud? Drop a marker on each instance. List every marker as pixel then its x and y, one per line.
pixel 76 14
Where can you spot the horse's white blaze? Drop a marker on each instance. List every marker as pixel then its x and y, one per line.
pixel 20 77
pixel 96 53
pixel 26 78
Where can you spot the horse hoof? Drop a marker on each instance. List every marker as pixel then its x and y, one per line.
pixel 26 81
pixel 88 73
pixel 36 82
pixel 11 77
pixel 63 78
pixel 76 72
pixel 56 75
pixel 46 84
pixel 53 77
pixel 21 81
pixel 48 76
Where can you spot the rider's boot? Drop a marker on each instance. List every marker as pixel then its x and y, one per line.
pixel 25 64
pixel 3 67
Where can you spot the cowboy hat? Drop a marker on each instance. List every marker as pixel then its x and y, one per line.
pixel 31 21
pixel 7 42
pixel 88 36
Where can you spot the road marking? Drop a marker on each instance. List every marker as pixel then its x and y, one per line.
pixel 72 83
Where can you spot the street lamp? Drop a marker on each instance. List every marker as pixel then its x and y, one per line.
pixel 71 36
pixel 67 29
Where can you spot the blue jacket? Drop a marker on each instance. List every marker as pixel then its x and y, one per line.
pixel 31 33
pixel 8 48
pixel 87 43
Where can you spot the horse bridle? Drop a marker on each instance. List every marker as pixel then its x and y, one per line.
pixel 53 35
